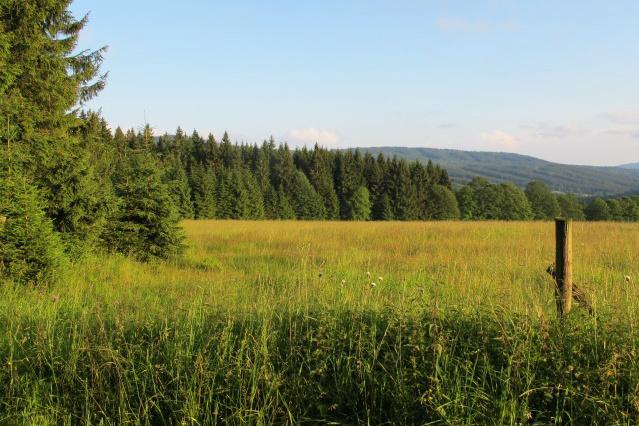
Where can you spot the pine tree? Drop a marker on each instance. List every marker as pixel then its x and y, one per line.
pixel 146 225
pixel 403 194
pixel 178 183
pixel 284 208
pixel 382 209
pixel 360 204
pixel 203 192
pixel 43 80
pixel 239 201
pixel 254 195
pixel 30 250
pixel 305 201
pixel 321 177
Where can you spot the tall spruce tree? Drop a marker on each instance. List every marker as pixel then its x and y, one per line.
pixel 30 250
pixel 321 177
pixel 203 191
pixel 44 79
pixel 176 179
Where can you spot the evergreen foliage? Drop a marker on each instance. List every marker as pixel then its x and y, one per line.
pixel 145 225
pixel 30 250
pixel 360 204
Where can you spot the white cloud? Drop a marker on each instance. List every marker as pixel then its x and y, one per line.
pixel 631 133
pixel 311 135
pixel 553 130
pixel 500 139
pixel 622 117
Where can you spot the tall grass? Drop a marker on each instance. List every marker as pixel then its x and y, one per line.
pixel 343 323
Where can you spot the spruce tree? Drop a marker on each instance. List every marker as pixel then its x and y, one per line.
pixel 284 208
pixel 360 204
pixel 30 250
pixel 146 224
pixel 254 196
pixel 321 177
pixel 305 201
pixel 178 183
pixel 44 79
pixel 203 192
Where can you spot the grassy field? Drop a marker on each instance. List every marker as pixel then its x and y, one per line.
pixel 331 323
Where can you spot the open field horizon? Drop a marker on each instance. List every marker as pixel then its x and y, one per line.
pixel 346 322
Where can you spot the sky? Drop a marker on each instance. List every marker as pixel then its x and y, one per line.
pixel 557 80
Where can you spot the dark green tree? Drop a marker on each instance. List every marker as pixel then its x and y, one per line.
pixel 176 180
pixel 570 207
pixel 543 203
pixel 203 192
pixel 360 204
pixel 466 203
pixel 597 210
pixel 30 250
pixel 442 204
pixel 514 203
pixel 615 210
pixel 306 202
pixel 146 224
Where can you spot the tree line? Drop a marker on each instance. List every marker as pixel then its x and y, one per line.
pixel 225 180
pixel 70 186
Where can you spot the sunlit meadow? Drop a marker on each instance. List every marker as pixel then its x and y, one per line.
pixel 320 322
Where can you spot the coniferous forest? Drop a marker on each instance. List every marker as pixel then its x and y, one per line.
pixel 70 185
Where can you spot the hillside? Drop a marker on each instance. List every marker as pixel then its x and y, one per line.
pixel 521 169
pixel 632 166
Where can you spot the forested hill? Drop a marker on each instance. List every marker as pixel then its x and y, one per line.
pixel 500 167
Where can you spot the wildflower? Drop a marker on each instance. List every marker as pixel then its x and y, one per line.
pixel 368 273
pixel 373 284
pixel 627 279
pixel 343 282
pixel 380 279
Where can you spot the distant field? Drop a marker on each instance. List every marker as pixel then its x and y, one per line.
pixel 292 322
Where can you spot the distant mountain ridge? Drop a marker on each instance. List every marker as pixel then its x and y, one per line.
pixel 631 166
pixel 499 167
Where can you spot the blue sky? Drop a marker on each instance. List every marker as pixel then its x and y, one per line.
pixel 554 79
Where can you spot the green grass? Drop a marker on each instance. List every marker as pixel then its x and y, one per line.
pixel 278 322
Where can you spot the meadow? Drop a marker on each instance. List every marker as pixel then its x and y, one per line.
pixel 331 323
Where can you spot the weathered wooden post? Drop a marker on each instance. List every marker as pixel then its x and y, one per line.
pixel 563 265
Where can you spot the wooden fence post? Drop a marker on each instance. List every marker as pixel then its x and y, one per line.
pixel 563 265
